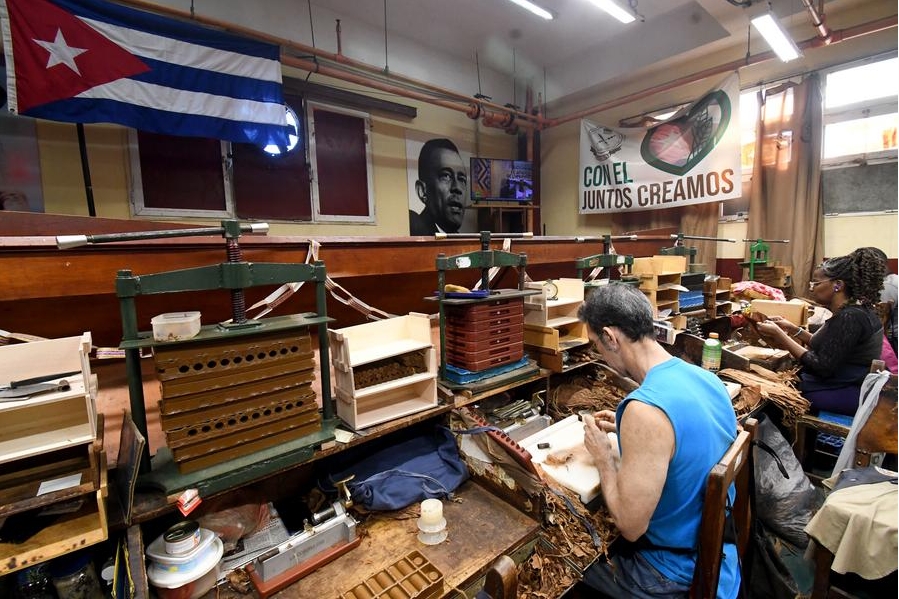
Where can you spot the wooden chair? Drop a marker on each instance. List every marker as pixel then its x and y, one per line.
pixel 734 467
pixel 884 311
pixel 808 426
pixel 878 435
pixel 501 581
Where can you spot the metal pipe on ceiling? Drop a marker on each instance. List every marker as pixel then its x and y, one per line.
pixel 817 16
pixel 495 115
pixel 837 36
pixel 504 119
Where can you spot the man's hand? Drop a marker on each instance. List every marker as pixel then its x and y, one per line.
pixel 596 438
pixel 605 420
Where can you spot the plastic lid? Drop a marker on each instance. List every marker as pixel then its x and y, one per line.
pixel 713 335
pixel 68 564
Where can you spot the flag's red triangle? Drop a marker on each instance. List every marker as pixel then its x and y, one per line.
pixel 97 59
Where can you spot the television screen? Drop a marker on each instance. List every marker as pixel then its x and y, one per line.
pixel 498 179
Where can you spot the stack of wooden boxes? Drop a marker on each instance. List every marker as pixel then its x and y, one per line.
pixel 383 370
pixel 551 325
pixel 52 465
pixel 716 297
pixel 660 281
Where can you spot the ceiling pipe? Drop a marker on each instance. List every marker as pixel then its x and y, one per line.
pixel 339 58
pixel 837 36
pixel 473 110
pixel 482 107
pixel 817 15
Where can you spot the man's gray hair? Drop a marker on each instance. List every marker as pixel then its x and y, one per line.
pixel 618 305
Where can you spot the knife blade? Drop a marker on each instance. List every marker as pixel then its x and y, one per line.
pixel 11 394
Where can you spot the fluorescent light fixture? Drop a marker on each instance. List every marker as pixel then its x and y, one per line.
pixel 540 12
pixel 776 37
pixel 616 11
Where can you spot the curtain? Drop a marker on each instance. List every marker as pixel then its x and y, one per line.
pixel 785 196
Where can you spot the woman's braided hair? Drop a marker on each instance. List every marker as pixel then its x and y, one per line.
pixel 862 272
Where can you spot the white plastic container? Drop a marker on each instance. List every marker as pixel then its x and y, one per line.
pixel 181 563
pixel 187 576
pixel 175 326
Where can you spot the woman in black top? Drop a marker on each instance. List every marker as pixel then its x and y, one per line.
pixel 837 357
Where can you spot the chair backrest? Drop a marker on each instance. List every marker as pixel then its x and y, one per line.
pixel 501 581
pixel 879 434
pixel 885 312
pixel 735 467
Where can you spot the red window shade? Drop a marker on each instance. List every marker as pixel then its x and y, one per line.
pixel 181 172
pixel 341 164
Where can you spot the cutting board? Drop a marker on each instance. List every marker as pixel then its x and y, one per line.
pixel 566 443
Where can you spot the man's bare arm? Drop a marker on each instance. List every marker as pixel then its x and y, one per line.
pixel 632 490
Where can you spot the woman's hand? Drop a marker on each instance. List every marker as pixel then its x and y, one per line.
pixel 788 327
pixel 773 331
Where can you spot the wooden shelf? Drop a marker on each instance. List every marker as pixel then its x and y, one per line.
pixel 387 350
pixel 47 421
pixel 53 477
pixel 69 532
pixel 214 331
pixel 389 401
pixel 545 312
pixel 368 343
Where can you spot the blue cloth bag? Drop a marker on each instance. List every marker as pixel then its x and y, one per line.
pixel 424 467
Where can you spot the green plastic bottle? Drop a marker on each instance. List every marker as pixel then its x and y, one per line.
pixel 711 353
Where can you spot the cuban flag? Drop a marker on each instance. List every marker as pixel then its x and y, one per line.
pixel 90 61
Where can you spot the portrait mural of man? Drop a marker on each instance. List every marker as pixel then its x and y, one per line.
pixel 441 189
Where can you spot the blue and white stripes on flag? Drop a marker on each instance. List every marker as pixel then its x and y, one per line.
pixel 92 61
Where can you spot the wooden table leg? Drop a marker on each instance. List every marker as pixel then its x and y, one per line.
pixel 823 562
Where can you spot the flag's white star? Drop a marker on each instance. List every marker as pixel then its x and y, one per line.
pixel 61 52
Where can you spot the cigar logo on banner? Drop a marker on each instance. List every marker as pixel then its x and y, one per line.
pixel 692 158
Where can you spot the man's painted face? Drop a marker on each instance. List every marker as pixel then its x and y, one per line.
pixel 447 190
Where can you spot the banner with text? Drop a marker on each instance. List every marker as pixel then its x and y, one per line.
pixel 692 158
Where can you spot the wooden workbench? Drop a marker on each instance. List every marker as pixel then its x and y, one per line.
pixel 481 527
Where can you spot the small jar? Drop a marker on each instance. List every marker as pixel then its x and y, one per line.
pixel 74 577
pixel 34 583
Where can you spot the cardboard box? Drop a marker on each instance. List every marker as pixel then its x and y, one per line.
pixel 796 311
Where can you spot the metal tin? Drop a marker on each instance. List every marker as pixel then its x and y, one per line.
pixel 182 537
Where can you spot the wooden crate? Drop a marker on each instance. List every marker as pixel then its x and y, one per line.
pixel 556 339
pixel 659 265
pixel 68 532
pixel 545 312
pixel 48 421
pixel 402 338
pixel 796 311
pixel 662 288
pixel 226 398
pixel 34 484
pixel 52 477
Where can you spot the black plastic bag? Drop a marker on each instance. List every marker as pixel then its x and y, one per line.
pixel 785 499
pixel 765 575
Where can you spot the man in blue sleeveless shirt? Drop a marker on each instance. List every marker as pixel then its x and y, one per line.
pixel 671 431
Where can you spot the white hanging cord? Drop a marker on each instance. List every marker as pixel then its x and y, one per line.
pixel 595 272
pixel 494 270
pixel 285 291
